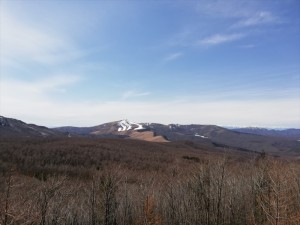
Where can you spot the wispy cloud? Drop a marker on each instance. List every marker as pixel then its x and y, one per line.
pixel 173 56
pixel 220 39
pixel 22 41
pixel 226 9
pixel 83 113
pixel 17 90
pixel 232 14
pixel 259 18
pixel 32 102
pixel 133 94
pixel 245 13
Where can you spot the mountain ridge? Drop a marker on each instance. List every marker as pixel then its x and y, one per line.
pixel 292 133
pixel 10 127
pixel 209 135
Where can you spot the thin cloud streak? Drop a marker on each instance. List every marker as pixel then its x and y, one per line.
pixel 134 94
pixel 220 39
pixel 259 18
pixel 173 56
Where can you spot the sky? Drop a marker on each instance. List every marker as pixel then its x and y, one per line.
pixel 83 63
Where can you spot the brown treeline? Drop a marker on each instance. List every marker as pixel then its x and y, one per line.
pixel 216 190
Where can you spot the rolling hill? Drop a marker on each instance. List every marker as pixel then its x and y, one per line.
pixel 11 128
pixel 210 136
pixel 201 134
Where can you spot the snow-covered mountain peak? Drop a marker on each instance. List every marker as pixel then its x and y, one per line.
pixel 127 125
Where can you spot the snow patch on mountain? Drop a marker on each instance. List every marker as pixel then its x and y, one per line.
pixel 126 125
pixel 198 135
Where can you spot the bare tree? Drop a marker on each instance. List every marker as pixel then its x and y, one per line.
pixel 8 182
pixel 46 193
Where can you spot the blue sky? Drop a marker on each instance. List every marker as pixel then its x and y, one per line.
pixel 81 63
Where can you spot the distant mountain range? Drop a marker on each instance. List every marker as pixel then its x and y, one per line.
pixel 208 135
pixel 288 133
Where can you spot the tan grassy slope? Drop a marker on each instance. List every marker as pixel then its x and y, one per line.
pixel 147 136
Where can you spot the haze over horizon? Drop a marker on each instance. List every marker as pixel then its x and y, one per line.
pixel 83 63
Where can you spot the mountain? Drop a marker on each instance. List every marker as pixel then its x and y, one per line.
pixel 205 135
pixel 11 128
pixel 200 134
pixel 288 133
pixel 117 129
pixel 227 138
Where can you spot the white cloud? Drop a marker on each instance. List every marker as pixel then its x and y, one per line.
pixel 30 102
pixel 220 39
pixel 259 18
pixel 173 56
pixel 22 41
pixel 245 13
pixel 134 94
pixel 15 91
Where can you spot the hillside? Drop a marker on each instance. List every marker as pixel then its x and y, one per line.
pixel 208 135
pixel 11 128
pixel 203 134
pixel 81 180
pixel 84 178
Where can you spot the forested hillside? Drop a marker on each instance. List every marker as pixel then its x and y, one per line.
pixel 84 181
